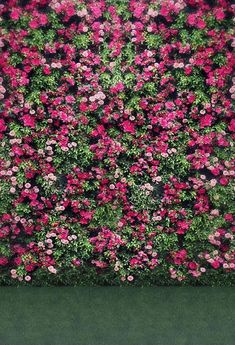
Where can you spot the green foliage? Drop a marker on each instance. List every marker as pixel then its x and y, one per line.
pixel 223 197
pixel 153 41
pixel 81 41
pixel 106 216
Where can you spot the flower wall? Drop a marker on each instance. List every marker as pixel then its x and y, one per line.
pixel 117 142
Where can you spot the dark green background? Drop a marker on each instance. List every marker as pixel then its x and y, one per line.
pixel 117 316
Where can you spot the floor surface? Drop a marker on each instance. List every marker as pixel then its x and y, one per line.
pixel 117 316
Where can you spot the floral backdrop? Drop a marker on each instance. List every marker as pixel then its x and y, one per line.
pixel 117 137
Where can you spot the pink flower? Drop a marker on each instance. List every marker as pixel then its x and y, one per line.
pixel 33 24
pixel 15 13
pixel 18 261
pixel 219 14
pixel 128 127
pixel 52 269
pixel 96 10
pixel 231 126
pixel 3 261
pixel 201 24
pixel 213 183
pixel 215 264
pixel 99 264
pixel 76 262
pixel 192 265
pixel 196 274
pixel 228 217
pixel 83 106
pixel 206 121
pixel 139 10
pixel 86 216
pixel 179 256
pixel 70 99
pixel 223 181
pixel 43 19
pixel 29 121
pixel 4 231
pixel 2 89
pixel 3 127
pixel 183 226
pixel 117 88
pixel 191 19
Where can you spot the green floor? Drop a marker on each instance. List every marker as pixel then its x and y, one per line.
pixel 117 316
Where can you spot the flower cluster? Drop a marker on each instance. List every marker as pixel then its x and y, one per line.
pixel 117 133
